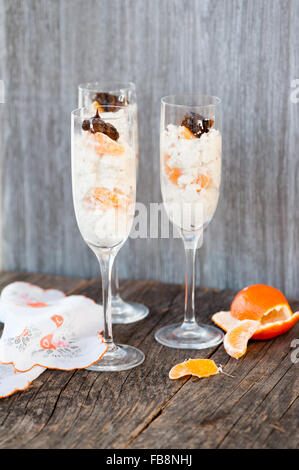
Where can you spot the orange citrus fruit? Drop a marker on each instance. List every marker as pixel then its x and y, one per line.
pixel 103 145
pixel 262 303
pixel 235 341
pixel 198 367
pixel 257 301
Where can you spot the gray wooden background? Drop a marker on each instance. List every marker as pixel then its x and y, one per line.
pixel 245 51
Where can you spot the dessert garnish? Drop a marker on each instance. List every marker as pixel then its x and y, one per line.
pixel 105 99
pixel 96 124
pixel 197 124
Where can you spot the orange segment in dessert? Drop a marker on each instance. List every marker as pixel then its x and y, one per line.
pixel 172 173
pixel 235 341
pixel 203 181
pixel 198 367
pixel 187 134
pixel 103 145
pixel 108 198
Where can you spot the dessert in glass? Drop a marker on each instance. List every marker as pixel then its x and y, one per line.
pixel 104 195
pixel 103 95
pixel 190 156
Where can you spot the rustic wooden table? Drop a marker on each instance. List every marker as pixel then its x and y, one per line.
pixel 142 408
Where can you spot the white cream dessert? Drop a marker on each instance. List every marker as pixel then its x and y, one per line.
pixel 104 181
pixel 191 171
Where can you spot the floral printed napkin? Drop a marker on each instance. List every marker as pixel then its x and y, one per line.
pixel 12 381
pixel 45 329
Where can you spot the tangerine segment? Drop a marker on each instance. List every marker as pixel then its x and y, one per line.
pixel 257 300
pixel 225 320
pixel 198 367
pixel 203 181
pixel 187 134
pixel 103 145
pixel 235 341
pixel 109 198
pixel 173 174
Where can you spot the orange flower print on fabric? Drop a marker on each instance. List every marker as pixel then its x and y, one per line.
pixel 36 304
pixel 62 344
pixel 58 320
pixel 47 342
pixel 24 333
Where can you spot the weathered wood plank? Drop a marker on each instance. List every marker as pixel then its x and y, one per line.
pixel 244 51
pixel 79 407
pixel 142 408
pixel 287 425
pixel 278 395
pixel 229 412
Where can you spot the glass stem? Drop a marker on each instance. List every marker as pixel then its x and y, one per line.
pixel 115 281
pixel 190 244
pixel 106 262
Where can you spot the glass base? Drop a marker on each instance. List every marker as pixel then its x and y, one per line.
pixel 127 312
pixel 189 336
pixel 118 357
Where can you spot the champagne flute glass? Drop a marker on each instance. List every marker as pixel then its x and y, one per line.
pixel 190 155
pixel 104 195
pixel 96 94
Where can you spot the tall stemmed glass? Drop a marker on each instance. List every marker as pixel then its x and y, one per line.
pixel 190 150
pixel 96 94
pixel 104 194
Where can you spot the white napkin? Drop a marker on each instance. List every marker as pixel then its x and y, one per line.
pixel 45 329
pixel 12 381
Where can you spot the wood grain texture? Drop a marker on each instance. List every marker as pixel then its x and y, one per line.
pixel 142 407
pixel 246 52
